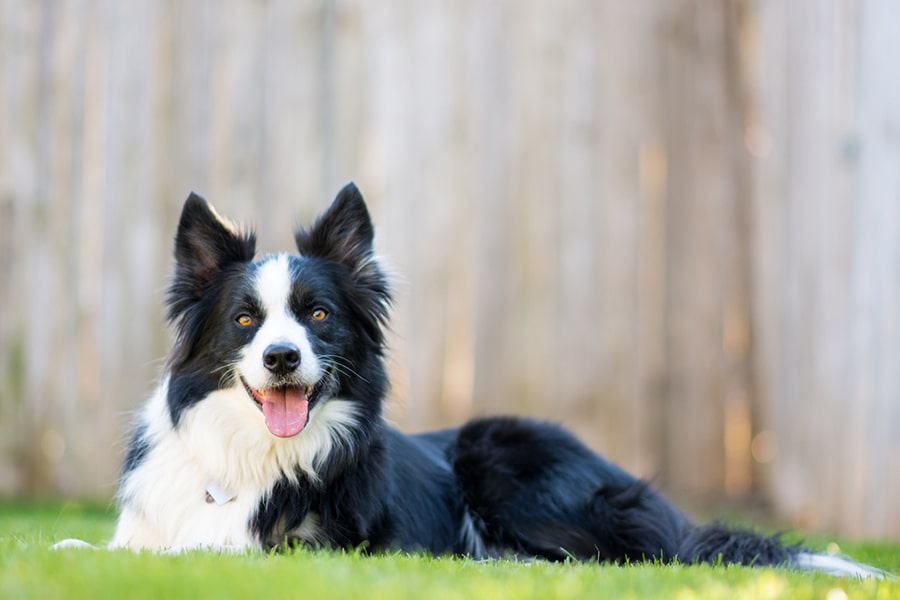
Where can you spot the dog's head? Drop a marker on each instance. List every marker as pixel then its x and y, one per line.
pixel 290 330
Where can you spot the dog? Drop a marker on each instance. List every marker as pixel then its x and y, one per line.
pixel 266 430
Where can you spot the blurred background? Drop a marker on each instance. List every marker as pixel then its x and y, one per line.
pixel 672 226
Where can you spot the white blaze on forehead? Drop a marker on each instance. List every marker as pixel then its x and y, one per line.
pixel 273 284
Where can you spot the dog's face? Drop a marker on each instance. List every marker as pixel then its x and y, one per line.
pixel 291 331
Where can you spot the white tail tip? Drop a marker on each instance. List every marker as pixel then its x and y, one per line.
pixel 839 566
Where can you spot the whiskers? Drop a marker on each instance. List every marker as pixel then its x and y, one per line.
pixel 227 373
pixel 333 368
pixel 339 365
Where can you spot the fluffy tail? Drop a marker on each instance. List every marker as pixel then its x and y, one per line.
pixel 716 543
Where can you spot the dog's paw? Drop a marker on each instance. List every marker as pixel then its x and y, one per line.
pixel 72 543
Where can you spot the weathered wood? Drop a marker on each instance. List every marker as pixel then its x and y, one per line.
pixel 827 250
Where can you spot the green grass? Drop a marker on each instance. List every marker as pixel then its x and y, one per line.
pixel 28 569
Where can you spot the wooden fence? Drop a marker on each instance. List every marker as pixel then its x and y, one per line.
pixel 672 226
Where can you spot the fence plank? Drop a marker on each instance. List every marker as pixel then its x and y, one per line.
pixel 700 191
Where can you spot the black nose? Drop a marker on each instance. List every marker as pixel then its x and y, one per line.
pixel 281 359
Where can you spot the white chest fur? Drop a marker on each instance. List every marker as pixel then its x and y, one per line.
pixel 221 442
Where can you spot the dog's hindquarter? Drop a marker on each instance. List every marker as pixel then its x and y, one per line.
pixel 532 488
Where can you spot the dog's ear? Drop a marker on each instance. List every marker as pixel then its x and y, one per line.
pixel 205 243
pixel 344 233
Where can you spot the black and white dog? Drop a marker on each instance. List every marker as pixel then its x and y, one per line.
pixel 267 427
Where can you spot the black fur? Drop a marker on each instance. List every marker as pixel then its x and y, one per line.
pixel 137 449
pixel 717 542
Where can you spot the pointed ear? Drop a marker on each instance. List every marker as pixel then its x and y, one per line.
pixel 205 243
pixel 344 233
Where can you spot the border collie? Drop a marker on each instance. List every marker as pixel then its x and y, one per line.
pixel 267 430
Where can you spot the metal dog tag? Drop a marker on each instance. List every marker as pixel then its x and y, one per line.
pixel 217 494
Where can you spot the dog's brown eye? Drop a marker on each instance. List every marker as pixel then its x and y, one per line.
pixel 245 320
pixel 318 314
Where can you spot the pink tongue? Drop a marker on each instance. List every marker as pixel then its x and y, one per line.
pixel 286 411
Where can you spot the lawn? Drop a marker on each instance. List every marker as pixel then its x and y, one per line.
pixel 28 569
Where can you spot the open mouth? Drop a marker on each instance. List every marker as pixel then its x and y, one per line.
pixel 285 408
